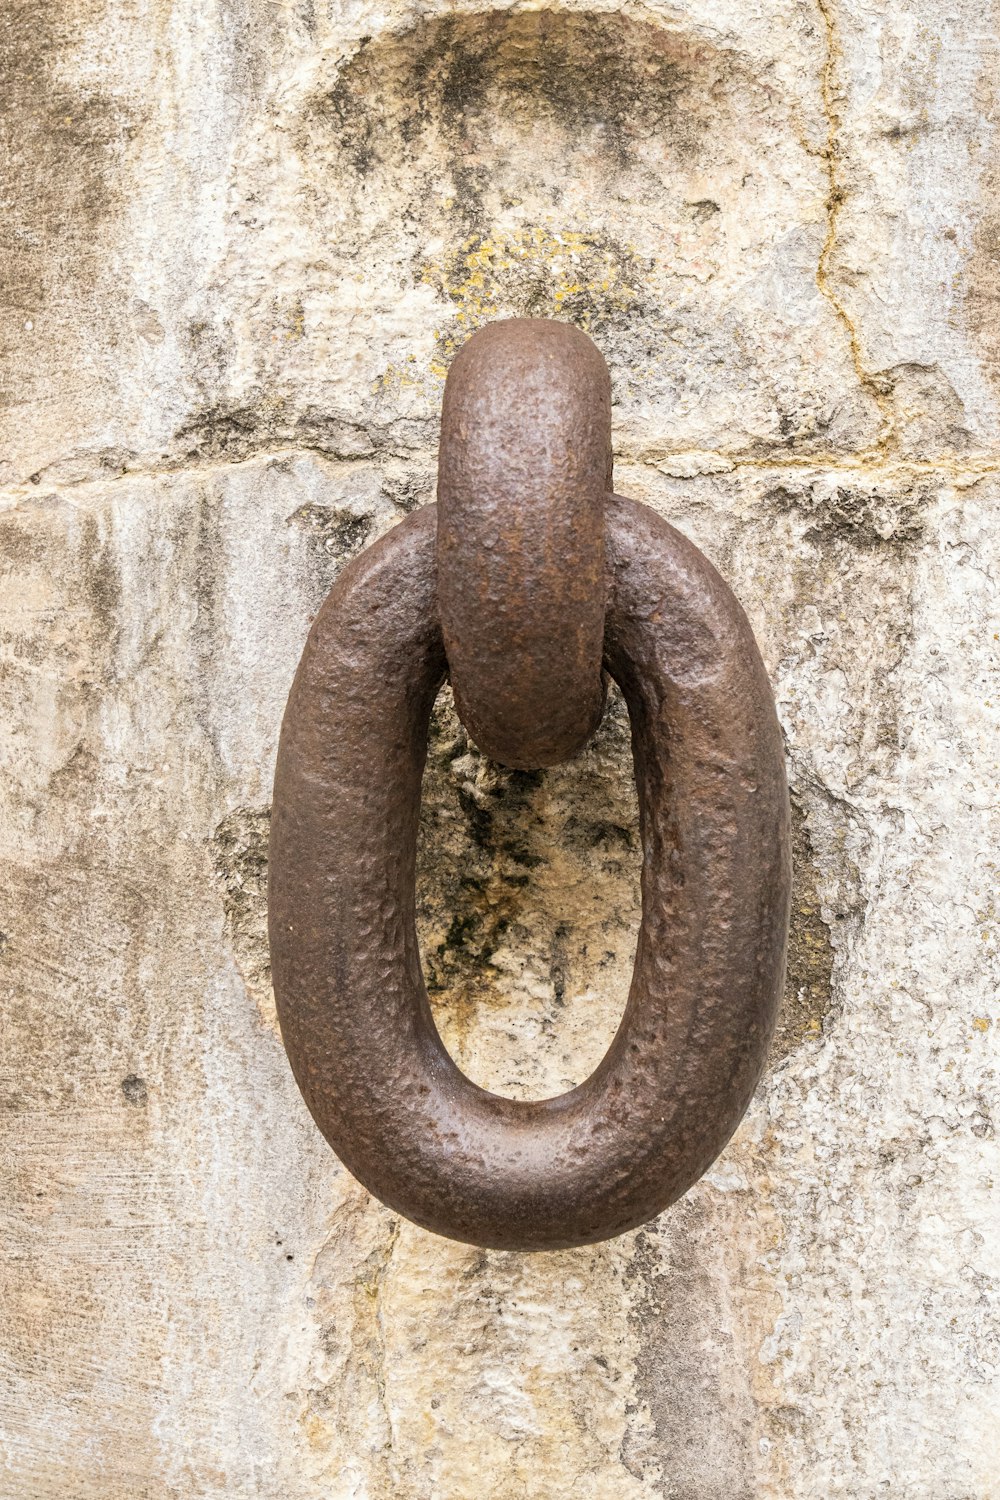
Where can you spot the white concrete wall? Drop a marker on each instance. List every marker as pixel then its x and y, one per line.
pixel 239 242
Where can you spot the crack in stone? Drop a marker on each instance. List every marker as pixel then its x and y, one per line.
pixel 700 463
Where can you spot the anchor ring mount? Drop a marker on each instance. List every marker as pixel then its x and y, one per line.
pixel 526 583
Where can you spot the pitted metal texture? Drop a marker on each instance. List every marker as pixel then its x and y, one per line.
pixel 709 965
pixel 523 471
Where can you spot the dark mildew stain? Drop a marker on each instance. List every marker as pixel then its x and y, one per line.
pixel 865 515
pixel 506 158
pixel 529 877
pixel 224 431
pixel 808 994
pixel 135 1091
pixel 59 140
pixel 239 853
pixel 408 488
pixel 334 529
pixel 229 432
pixel 101 576
pixel 601 75
pixel 472 873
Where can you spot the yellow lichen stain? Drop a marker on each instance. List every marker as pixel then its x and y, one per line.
pixel 536 271
pixel 393 380
pixel 981 1023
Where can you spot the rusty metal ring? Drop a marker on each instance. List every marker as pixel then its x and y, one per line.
pixel 524 467
pixel 709 963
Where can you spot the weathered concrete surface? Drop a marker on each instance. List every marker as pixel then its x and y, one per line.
pixel 240 242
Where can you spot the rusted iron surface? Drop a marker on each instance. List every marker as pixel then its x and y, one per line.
pixel 354 1014
pixel 524 466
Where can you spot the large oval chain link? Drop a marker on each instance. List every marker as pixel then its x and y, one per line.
pixel 709 964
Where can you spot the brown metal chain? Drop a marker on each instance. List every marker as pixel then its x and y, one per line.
pixel 498 584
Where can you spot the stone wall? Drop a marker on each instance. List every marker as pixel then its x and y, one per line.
pixel 240 241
